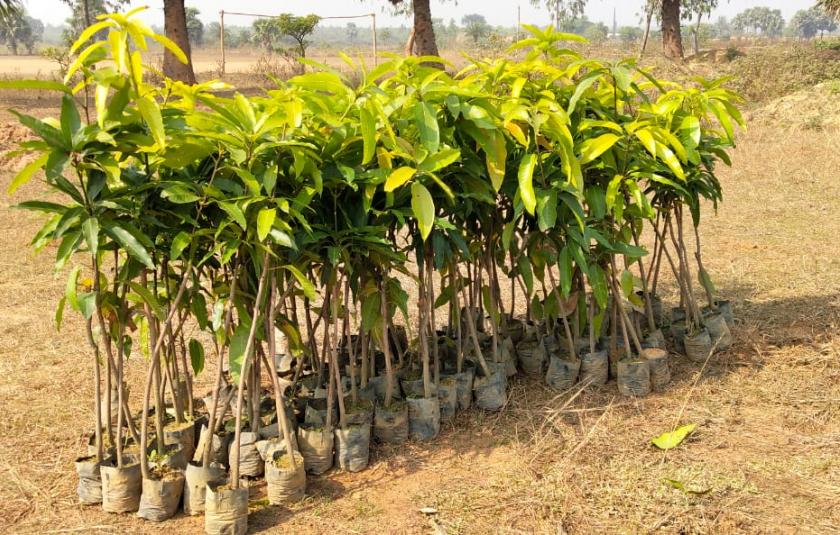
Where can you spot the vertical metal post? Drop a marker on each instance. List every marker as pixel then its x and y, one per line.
pixel 518 20
pixel 222 37
pixel 373 29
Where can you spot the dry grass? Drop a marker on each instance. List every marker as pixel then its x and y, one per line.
pixel 764 459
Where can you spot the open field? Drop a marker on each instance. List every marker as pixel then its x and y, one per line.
pixel 765 457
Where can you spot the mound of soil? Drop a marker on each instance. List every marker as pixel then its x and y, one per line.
pixel 814 108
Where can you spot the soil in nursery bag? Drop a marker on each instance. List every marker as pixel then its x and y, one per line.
pixel 218 447
pixel 412 385
pixel 515 330
pixel 173 457
pixel 225 509
pixel 532 357
pixel 316 446
pixel 594 367
pixel 390 425
pixel 614 356
pixel 285 483
pixel 660 371
pixel 196 478
pixel 423 417
pixel 183 434
pixel 161 495
pixel 250 462
pixel 678 330
pixel 698 346
pixel 490 390
pixel 464 385
pixel 380 385
pixel 352 447
pixel 634 377
pixel 562 374
pixel 121 487
pixel 724 308
pixel 448 397
pixel 89 488
pixel 358 413
pixel 719 331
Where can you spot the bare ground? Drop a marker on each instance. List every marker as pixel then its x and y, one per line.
pixel 765 458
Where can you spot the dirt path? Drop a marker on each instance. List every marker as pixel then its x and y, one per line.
pixel 766 457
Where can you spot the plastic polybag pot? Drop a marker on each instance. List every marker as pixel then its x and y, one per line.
pixel 532 357
pixel 660 371
pixel 89 488
pixel 285 483
pixel 358 413
pixel 352 447
pixel 390 424
pixel 413 387
pixel 121 487
pixel 464 385
pixel 719 332
pixel 490 390
pixel 196 478
pixel 316 446
pixel 507 356
pixel 225 509
pixel 250 462
pixel 634 377
pixel 161 496
pixel 594 367
pixel 182 434
pixel 448 396
pixel 655 339
pixel 218 447
pixel 698 346
pixel 562 374
pixel 423 417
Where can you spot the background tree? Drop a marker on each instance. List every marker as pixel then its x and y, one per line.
pixel 760 20
pixel 596 32
pixel 696 10
pixel 352 31
pixel 629 34
pixel 297 28
pixel 651 7
pixel 671 32
pixel 84 13
pixel 17 29
pixel 808 23
pixel 195 28
pixel 561 10
pixel 422 40
pixel 475 26
pixel 175 28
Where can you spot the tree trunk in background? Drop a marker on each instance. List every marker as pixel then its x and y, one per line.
pixel 409 44
pixel 697 34
pixel 424 32
pixel 175 28
pixel 648 17
pixel 671 36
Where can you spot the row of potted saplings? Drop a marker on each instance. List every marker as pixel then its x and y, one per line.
pixel 388 407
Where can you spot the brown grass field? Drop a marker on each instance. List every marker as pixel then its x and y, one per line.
pixel 765 457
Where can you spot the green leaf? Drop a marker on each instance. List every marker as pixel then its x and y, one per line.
pixel 149 298
pixel 598 283
pixel 439 160
pixel 547 210
pixel 265 220
pixel 592 148
pixel 427 126
pixel 91 230
pixel 423 207
pixel 196 356
pixel 398 177
pixel 70 119
pixel 130 244
pixel 179 243
pixel 70 288
pixel 368 125
pixel 59 313
pixel 496 150
pixel 198 307
pixel 627 283
pixel 150 111
pixel 526 185
pixel 179 194
pixel 171 46
pixel 47 85
pixel 679 485
pixel 371 312
pixel 670 440
pixel 305 284
pixel 235 213
pixel 25 174
pixel 87 304
pixel 564 262
pixel 236 352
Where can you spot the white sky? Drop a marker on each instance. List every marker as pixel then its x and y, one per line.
pixel 497 12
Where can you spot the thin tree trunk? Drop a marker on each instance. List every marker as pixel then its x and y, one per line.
pixel 648 18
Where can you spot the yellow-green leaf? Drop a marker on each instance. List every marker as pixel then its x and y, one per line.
pixel 265 220
pixel 592 148
pixel 150 111
pixel 368 124
pixel 399 177
pixel 423 207
pixel 25 174
pixel 667 441
pixel 526 182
